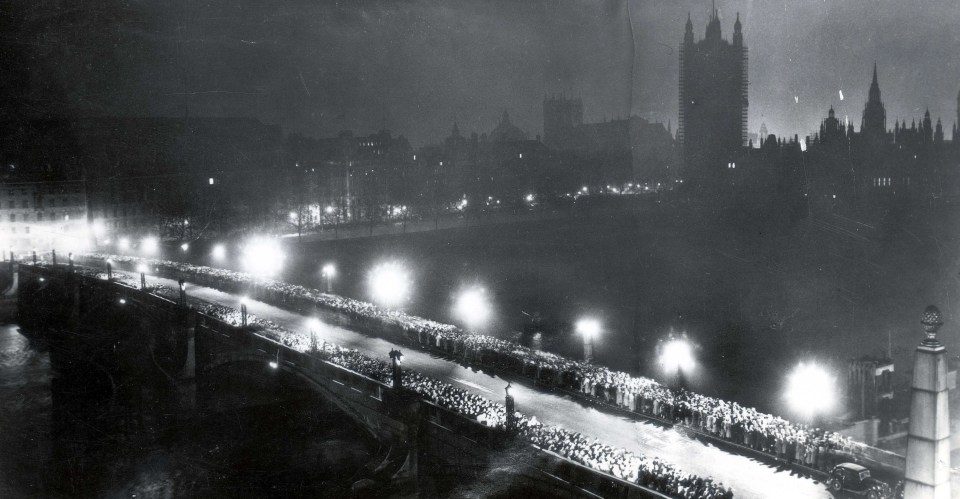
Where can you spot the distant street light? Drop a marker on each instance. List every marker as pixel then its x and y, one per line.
pixel 219 252
pixel 811 390
pixel 473 308
pixel 327 274
pixel 676 358
pixel 389 284
pixel 313 325
pixel 150 245
pixel 262 257
pixel 588 328
pixel 184 247
pixel 123 244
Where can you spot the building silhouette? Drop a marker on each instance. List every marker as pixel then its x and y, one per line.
pixel 713 101
pixel 874 124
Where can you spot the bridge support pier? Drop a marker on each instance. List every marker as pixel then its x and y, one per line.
pixel 186 379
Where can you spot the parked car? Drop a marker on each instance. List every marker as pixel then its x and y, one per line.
pixel 855 479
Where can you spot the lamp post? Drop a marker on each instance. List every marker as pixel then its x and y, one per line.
pixel 511 408
pixel 389 284
pixel 473 308
pixel 243 314
pixel 811 391
pixel 183 293
pixel 588 329
pixel 314 326
pixel 396 357
pixel 676 359
pixel 54 256
pixel 326 275
pixel 109 271
pixel 70 260
pixel 142 268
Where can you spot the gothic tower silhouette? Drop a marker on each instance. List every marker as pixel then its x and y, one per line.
pixel 713 100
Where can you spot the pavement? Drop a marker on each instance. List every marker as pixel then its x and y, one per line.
pixel 749 477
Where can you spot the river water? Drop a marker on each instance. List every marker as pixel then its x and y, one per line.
pixel 64 434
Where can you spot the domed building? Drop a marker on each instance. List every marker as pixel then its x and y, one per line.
pixel 506 131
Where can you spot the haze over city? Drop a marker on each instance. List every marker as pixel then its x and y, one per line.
pixel 414 67
pixel 506 249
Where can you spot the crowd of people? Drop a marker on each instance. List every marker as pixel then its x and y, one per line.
pixel 795 443
pixel 649 472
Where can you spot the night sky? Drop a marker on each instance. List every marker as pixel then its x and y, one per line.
pixel 317 67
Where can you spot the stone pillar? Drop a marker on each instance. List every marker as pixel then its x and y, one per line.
pixel 928 441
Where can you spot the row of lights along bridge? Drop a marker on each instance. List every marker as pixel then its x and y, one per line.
pixel 810 389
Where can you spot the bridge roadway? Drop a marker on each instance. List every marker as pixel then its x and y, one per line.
pixel 748 477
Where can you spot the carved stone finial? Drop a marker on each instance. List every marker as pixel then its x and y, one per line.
pixel 931 319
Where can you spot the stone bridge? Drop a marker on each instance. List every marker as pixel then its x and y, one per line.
pixel 425 442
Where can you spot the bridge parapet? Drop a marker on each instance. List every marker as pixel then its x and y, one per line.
pixel 403 418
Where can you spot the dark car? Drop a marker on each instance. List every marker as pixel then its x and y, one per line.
pixel 856 479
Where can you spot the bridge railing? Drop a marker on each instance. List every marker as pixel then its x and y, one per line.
pixel 370 390
pixel 288 357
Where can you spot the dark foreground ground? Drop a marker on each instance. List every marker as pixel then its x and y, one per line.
pixel 65 435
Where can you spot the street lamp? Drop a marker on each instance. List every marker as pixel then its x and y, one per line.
pixel 811 390
pixel 219 252
pixel 262 257
pixel 511 407
pixel 326 274
pixel 676 358
pixel 243 311
pixel 313 325
pixel 396 357
pixel 588 328
pixel 389 284
pixel 150 245
pixel 472 307
pixel 142 268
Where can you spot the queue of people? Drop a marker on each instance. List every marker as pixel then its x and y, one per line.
pixel 721 419
pixel 649 472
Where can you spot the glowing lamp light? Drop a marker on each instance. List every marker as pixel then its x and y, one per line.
pixel 389 284
pixel 219 252
pixel 142 267
pixel 329 270
pixel 328 209
pixel 262 257
pixel 98 228
pixel 150 245
pixel 473 307
pixel 185 246
pixel 677 355
pixel 273 364
pixel 244 301
pixel 123 301
pixel 123 243
pixel 810 389
pixel 313 324
pixel 588 328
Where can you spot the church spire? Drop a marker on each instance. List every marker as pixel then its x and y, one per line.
pixel 874 121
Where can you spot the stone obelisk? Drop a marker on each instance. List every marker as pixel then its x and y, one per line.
pixel 928 442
